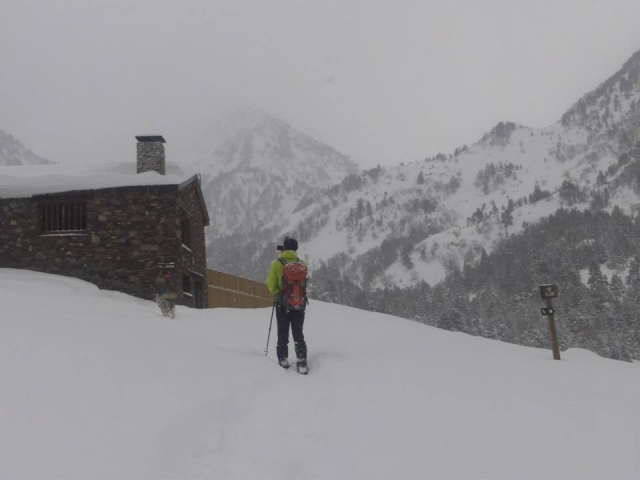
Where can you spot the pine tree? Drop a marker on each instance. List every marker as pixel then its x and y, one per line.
pixel 598 287
pixel 617 286
pixel 507 215
pixel 633 279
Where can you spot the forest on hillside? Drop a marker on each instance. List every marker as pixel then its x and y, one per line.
pixel 498 297
pixel 592 253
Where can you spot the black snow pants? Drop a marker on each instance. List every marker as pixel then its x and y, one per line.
pixel 295 318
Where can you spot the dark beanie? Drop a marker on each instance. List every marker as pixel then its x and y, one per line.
pixel 290 243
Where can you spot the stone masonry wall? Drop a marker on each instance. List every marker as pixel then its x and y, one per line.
pixel 150 157
pixel 193 261
pixel 133 240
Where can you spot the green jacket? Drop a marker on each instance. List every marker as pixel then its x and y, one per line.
pixel 274 282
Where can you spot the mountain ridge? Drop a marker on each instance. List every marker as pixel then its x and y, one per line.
pixel 442 212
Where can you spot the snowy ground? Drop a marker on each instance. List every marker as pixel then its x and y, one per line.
pixel 98 384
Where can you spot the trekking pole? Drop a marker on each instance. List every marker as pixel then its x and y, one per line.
pixel 266 350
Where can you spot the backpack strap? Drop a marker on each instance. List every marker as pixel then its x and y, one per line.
pixel 284 262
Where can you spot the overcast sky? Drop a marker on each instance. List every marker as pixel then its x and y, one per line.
pixel 382 81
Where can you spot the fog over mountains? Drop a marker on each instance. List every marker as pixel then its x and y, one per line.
pixel 263 180
pixel 254 167
pixel 459 240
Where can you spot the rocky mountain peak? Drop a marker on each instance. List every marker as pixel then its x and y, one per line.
pixel 13 152
pixel 256 168
pixel 253 139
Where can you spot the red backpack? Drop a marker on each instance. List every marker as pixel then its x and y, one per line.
pixel 294 285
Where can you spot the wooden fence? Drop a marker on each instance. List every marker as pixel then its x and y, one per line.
pixel 230 291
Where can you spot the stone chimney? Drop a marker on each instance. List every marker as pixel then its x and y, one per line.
pixel 151 153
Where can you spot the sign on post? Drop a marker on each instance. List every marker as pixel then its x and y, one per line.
pixel 547 292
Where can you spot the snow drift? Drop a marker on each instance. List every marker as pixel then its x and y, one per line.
pixel 97 384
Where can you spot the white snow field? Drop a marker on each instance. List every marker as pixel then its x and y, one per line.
pixel 99 385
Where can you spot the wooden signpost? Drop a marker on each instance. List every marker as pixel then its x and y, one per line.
pixel 547 292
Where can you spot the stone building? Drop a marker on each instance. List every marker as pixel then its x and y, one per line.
pixel 136 228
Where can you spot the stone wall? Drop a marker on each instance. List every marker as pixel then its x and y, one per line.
pixel 132 243
pixel 193 259
pixel 150 157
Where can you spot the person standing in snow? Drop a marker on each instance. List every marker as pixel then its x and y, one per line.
pixel 285 316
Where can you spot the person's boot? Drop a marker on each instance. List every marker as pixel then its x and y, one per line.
pixel 301 354
pixel 283 353
pixel 301 351
pixel 302 366
pixel 283 362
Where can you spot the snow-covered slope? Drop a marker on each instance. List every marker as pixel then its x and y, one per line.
pixel 448 208
pixel 13 152
pixel 616 100
pixel 97 384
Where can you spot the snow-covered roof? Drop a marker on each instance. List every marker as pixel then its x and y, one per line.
pixel 23 181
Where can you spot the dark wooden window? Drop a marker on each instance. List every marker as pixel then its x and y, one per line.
pixel 63 217
pixel 185 227
pixel 186 284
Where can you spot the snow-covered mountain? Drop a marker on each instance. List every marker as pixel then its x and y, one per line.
pixel 98 384
pixel 13 152
pixel 256 168
pixel 445 210
pixel 400 225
